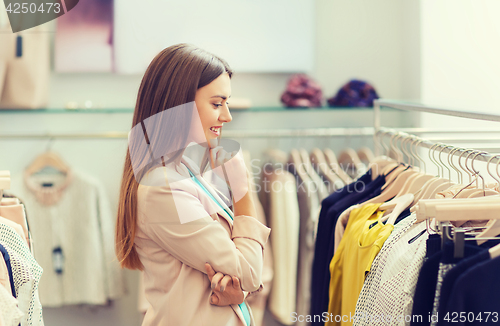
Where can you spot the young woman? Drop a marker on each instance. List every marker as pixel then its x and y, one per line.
pixel 200 259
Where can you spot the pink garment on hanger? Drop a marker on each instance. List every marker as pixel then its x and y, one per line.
pixel 9 201
pixel 15 213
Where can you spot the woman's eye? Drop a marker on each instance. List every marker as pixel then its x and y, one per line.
pixel 217 105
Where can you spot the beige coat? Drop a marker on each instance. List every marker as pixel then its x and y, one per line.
pixel 180 228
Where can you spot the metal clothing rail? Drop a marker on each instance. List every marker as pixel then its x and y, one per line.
pixel 427 143
pixel 312 132
pixel 394 104
pixel 264 133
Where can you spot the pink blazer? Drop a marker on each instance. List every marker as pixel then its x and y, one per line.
pixel 180 228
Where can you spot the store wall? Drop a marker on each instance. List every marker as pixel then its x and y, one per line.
pixel 354 39
pixel 459 65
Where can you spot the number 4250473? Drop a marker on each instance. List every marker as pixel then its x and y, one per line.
pixel 18 8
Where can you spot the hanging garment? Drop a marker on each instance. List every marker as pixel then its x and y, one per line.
pixel 174 253
pixel 73 228
pixel 331 208
pixel 308 205
pixel 387 294
pixel 364 236
pixel 26 275
pixel 450 281
pixel 477 295
pixel 19 230
pixel 258 301
pixel 10 314
pixel 7 279
pixel 14 216
pixel 448 262
pixel 282 210
pixel 426 283
pixel 431 279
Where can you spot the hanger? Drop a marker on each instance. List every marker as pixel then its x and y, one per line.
pixel 399 205
pixel 484 191
pixel 493 228
pixel 334 165
pixel 47 159
pixel 318 161
pixel 365 154
pixel 466 191
pixel 441 183
pixel 416 182
pixel 349 159
pixel 401 178
pixel 4 182
pixel 295 162
pixel 414 172
pixel 435 184
pixel 382 162
pixel 394 181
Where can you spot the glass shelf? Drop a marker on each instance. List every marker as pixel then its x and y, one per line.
pixel 131 110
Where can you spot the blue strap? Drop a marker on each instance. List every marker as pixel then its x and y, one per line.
pixel 208 192
pixel 246 313
pixel 243 306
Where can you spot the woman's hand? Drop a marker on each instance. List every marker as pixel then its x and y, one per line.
pixel 237 173
pixel 226 290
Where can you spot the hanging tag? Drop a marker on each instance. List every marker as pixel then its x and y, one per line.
pixel 58 260
pixel 19 46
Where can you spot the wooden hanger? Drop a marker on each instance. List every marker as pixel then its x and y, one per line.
pixel 297 165
pixel 348 157
pixel 392 188
pixel 318 161
pixel 4 182
pixel 398 205
pixel 493 228
pixel 47 159
pixel 365 154
pixel 334 165
pixel 495 251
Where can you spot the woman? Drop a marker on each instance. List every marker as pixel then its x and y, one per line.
pixel 200 259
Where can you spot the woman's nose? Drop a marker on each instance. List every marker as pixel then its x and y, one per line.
pixel 225 115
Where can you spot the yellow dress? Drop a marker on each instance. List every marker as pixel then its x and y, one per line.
pixel 362 240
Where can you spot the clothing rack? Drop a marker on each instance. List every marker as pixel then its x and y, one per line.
pixel 264 133
pixel 379 130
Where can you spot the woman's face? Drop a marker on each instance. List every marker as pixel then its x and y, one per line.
pixel 212 105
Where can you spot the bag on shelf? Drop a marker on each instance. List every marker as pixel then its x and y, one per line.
pixel 24 67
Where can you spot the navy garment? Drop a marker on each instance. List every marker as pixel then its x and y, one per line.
pixel 6 257
pixel 355 193
pixel 423 304
pixel 451 277
pixel 477 293
pixel 427 279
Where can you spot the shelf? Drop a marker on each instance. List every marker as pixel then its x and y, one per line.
pixel 131 110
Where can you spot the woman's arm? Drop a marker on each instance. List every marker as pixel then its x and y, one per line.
pixel 204 239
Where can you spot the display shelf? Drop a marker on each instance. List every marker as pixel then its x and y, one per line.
pixel 131 110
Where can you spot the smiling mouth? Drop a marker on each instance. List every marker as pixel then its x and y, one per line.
pixel 215 130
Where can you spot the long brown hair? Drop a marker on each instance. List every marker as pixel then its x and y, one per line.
pixel 170 80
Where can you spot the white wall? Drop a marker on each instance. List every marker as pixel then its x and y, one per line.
pixel 460 50
pixel 460 66
pixel 354 39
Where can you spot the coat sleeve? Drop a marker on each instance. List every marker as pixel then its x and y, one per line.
pixel 203 239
